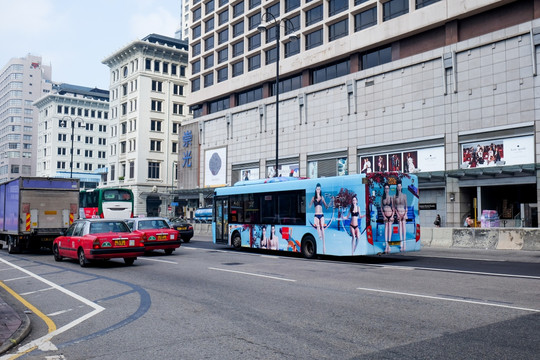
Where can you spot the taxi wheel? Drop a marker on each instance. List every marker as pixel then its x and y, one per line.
pixel 56 253
pixel 82 259
pixel 129 261
pixel 168 251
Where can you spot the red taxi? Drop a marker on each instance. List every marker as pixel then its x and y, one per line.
pixel 156 233
pixel 98 239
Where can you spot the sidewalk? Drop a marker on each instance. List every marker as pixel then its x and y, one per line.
pixel 14 326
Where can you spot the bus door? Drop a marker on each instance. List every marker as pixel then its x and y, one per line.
pixel 221 220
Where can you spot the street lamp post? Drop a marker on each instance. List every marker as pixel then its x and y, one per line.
pixel 64 124
pixel 261 28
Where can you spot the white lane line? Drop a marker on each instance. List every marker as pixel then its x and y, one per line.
pixel 251 274
pixel 448 299
pixel 189 248
pixel 17 278
pixel 36 291
pixel 394 267
pixel 158 260
pixel 59 312
pixel 44 342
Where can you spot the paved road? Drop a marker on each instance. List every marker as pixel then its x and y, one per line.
pixel 210 302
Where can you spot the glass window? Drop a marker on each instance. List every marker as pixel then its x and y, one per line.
pixel 223 55
pixel 254 41
pixel 338 30
pixel 208 80
pixel 271 56
pixel 331 71
pixel 222 75
pixel 209 25
pixel 249 96
pixel 289 84
pixel 292 25
pixel 196 31
pixel 209 7
pixel 271 34
pixel 254 3
pixel 153 170
pixel 377 57
pixel 365 19
pixel 274 10
pixel 314 15
pixel 219 105
pixel 195 84
pixel 254 21
pixel 238 9
pixel 337 6
pixel 395 8
pixel 223 17
pixel 223 36
pixel 238 29
pixel 314 39
pixel 292 48
pixel 209 43
pixel 422 3
pixel 254 62
pixel 196 49
pixel 209 61
pixel 197 13
pixel 238 68
pixel 238 49
pixel 291 5
pixel 196 67
pixel 223 2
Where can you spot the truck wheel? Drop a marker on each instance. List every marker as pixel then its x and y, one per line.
pixel 56 253
pixel 82 259
pixel 129 261
pixel 12 244
pixel 309 247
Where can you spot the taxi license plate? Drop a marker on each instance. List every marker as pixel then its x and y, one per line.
pixel 120 242
pixel 162 237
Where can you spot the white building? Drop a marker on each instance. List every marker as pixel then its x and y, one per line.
pixel 22 81
pixel 446 89
pixel 148 88
pixel 81 112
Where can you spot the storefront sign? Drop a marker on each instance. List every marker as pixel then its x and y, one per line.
pixel 429 206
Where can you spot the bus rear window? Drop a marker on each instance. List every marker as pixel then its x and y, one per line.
pixel 116 195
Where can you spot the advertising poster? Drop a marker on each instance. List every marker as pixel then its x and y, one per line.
pixel 510 151
pixel 381 163
pixel 430 159
pixel 249 174
pixel 366 164
pixel 215 167
pixel 394 162
pixel 288 170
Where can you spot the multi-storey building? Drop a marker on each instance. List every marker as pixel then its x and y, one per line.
pixel 73 126
pixel 22 81
pixel 445 89
pixel 148 88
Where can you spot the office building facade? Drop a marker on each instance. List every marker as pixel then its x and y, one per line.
pixel 148 88
pixel 73 119
pixel 22 81
pixel 443 89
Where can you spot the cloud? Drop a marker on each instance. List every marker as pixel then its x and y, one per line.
pixel 27 17
pixel 159 21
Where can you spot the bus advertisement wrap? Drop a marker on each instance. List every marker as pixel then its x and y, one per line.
pixel 344 215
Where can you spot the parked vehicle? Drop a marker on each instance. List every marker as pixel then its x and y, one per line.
pixel 203 215
pixel 156 233
pixel 98 239
pixel 34 211
pixel 183 227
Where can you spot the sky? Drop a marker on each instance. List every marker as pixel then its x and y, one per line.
pixel 74 36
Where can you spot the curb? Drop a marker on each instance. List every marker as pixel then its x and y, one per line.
pixel 19 335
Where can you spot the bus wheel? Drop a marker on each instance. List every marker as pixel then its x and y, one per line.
pixel 236 241
pixel 309 247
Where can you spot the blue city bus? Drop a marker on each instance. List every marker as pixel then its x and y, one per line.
pixel 364 214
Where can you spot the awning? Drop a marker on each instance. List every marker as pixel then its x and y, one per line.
pixel 490 172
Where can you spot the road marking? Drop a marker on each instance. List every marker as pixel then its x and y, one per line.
pixel 449 299
pixel 251 274
pixel 394 267
pixel 158 260
pixel 17 278
pixel 36 291
pixel 44 343
pixel 59 312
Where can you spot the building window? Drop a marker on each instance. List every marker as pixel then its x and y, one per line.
pixel 291 5
pixel 131 169
pixel 223 36
pixel 196 67
pixel 338 30
pixel 330 72
pixel 153 170
pixel 254 3
pixel 395 8
pixel 249 96
pixel 219 105
pixel 155 145
pixel 314 39
pixel 157 105
pixel 178 89
pixel 271 56
pixel 157 86
pixel 209 43
pixel 155 125
pixel 337 6
pixel 222 75
pixel 238 68
pixel 254 21
pixel 238 49
pixel 314 15
pixel 174 147
pixel 254 62
pixel 209 7
pixel 238 29
pixel 274 10
pixel 197 13
pixel 254 41
pixel 223 55
pixel 292 25
pixel 178 109
pixel 196 49
pixel 209 24
pixel 196 84
pixel 365 19
pixel 238 9
pixel 289 84
pixel 292 48
pixel 196 32
pixel 223 17
pixel 422 3
pixel 208 80
pixel 377 57
pixel 209 61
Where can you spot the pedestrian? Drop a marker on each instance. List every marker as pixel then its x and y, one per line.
pixel 437 221
pixel 468 221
